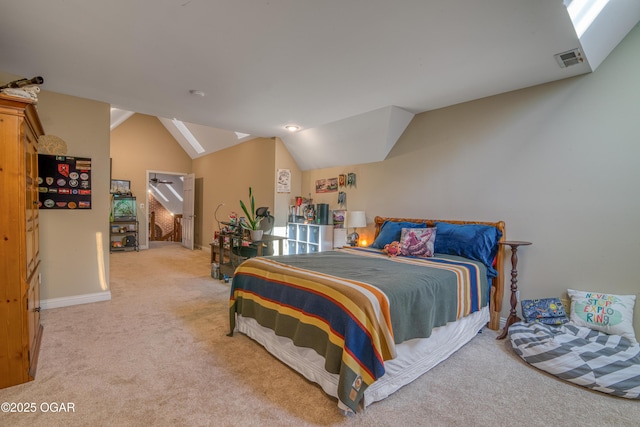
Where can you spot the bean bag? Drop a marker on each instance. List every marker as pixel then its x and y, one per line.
pixel 583 356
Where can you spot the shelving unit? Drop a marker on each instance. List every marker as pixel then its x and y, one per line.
pixel 124 236
pixel 309 238
pixel 124 227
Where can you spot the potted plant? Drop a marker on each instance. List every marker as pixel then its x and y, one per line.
pixel 252 222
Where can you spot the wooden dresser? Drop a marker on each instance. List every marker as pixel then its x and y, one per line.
pixel 20 328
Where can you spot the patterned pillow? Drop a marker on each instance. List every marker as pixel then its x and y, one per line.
pixel 417 242
pixel 608 313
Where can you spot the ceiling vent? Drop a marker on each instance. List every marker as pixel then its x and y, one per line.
pixel 569 58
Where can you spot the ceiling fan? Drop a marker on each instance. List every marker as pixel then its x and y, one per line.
pixel 155 180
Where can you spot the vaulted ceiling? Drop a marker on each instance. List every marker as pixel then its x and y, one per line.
pixel 350 73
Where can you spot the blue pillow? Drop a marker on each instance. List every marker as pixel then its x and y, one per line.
pixel 474 241
pixel 390 232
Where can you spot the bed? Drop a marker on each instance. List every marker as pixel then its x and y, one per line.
pixel 362 324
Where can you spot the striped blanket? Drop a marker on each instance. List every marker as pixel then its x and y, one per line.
pixel 352 308
pixel 592 359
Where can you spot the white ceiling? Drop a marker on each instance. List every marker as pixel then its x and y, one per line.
pixel 350 73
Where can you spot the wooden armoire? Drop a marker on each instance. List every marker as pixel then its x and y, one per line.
pixel 20 328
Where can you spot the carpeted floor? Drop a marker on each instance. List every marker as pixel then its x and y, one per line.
pixel 157 354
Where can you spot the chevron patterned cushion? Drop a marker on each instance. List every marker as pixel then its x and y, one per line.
pixel 583 356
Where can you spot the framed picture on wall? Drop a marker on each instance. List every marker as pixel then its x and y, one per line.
pixel 120 186
pixel 338 218
pixel 328 185
pixel 283 184
pixel 64 182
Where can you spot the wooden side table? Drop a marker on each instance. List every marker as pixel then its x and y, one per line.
pixel 235 241
pixel 228 267
pixel 215 248
pixel 513 315
pixel 270 238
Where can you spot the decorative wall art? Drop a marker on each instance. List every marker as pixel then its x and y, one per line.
pixel 328 185
pixel 120 186
pixel 283 183
pixel 51 144
pixel 351 179
pixel 342 199
pixel 338 218
pixel 64 182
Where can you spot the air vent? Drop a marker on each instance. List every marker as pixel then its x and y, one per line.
pixel 569 58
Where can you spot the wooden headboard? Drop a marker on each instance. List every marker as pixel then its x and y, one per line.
pixel 497 286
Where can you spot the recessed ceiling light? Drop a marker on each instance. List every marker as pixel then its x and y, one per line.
pixel 196 92
pixel 292 128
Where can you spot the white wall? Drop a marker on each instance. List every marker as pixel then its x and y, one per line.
pixel 74 244
pixel 557 162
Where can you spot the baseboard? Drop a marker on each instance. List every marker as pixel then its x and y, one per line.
pixel 75 300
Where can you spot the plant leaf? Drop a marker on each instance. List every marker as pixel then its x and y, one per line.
pixel 253 203
pixel 253 221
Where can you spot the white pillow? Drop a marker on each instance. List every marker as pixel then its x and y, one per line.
pixel 611 314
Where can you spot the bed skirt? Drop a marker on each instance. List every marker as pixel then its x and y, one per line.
pixel 414 357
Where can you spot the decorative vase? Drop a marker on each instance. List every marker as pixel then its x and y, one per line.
pixel 256 235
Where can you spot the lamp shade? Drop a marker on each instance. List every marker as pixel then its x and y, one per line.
pixel 356 219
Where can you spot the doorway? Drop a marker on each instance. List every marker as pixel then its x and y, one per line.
pixel 165 202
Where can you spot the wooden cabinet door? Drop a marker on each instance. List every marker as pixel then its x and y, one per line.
pixel 32 235
pixel 20 329
pixel 31 201
pixel 33 312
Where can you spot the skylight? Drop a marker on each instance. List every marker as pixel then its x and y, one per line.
pixel 159 193
pixel 175 193
pixel 584 12
pixel 188 136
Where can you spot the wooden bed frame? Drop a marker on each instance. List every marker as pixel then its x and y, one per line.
pixel 497 287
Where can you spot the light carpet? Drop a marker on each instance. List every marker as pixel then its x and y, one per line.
pixel 157 354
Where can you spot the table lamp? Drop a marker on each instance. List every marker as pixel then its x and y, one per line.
pixel 355 219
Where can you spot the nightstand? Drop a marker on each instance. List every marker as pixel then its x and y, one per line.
pixel 513 315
